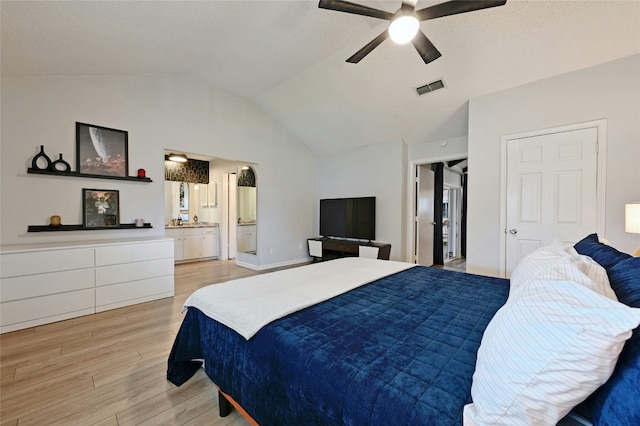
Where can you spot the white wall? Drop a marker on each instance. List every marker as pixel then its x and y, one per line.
pixel 610 91
pixel 433 152
pixel 452 178
pixel 373 170
pixel 159 112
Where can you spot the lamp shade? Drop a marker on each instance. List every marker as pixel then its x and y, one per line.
pixel 632 218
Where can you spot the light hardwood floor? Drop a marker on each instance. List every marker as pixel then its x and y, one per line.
pixel 110 368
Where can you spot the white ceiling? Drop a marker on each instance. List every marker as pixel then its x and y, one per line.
pixel 288 57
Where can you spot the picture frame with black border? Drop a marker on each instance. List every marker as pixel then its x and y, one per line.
pixel 101 151
pixel 100 208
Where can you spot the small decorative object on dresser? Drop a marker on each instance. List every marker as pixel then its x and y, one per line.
pixel 55 221
pixel 101 208
pixel 101 150
pixel 142 173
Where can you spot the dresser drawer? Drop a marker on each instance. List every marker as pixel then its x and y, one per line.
pixel 27 286
pixel 114 274
pixel 39 262
pixel 44 309
pixel 113 296
pixel 129 253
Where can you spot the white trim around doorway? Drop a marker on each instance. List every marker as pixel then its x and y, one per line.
pixel 411 199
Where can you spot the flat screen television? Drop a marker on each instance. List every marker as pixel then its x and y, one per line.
pixel 348 218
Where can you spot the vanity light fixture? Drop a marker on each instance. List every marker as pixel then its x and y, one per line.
pixel 179 158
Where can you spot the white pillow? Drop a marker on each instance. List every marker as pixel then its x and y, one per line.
pixel 548 348
pixel 560 261
pixel 538 261
pixel 582 270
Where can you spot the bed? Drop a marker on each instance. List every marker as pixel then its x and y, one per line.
pixel 413 347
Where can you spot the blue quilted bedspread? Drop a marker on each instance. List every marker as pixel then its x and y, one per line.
pixel 400 350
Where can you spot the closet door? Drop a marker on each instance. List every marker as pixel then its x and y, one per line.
pixel 551 190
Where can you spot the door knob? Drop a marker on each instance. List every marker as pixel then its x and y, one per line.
pixel 513 231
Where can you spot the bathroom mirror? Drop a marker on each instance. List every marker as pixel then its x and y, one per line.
pixel 247 210
pixel 188 201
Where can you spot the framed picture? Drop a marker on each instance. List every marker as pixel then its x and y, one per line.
pixel 101 208
pixel 101 151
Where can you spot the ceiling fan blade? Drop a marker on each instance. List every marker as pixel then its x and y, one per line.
pixel 425 48
pixel 454 7
pixel 357 9
pixel 357 57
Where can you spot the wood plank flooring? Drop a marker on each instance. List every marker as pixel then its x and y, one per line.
pixel 458 264
pixel 110 368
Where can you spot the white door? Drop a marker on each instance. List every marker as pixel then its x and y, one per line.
pixel 229 218
pixel 424 215
pixel 232 215
pixel 551 191
pixel 453 230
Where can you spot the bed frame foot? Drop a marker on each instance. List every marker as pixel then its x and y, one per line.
pixel 224 405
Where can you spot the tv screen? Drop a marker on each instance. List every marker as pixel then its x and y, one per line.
pixel 348 218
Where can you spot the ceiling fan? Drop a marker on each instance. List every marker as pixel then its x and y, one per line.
pixel 406 22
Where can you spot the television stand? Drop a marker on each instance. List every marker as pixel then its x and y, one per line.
pixel 336 248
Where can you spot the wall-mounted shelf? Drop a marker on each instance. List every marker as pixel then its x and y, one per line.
pixel 47 228
pixel 84 175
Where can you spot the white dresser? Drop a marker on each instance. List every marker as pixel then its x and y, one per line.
pixel 40 284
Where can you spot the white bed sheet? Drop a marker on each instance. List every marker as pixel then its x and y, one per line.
pixel 248 304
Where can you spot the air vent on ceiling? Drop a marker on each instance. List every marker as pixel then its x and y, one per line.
pixel 428 88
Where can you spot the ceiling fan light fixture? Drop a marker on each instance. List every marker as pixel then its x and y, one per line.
pixel 179 158
pixel 403 28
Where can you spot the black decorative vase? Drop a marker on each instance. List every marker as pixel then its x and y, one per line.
pixel 60 166
pixel 41 156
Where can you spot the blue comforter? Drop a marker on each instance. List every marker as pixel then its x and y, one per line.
pixel 400 350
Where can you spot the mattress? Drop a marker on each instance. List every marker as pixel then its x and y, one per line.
pixel 399 350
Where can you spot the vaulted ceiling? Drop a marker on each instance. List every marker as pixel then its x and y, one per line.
pixel 288 57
